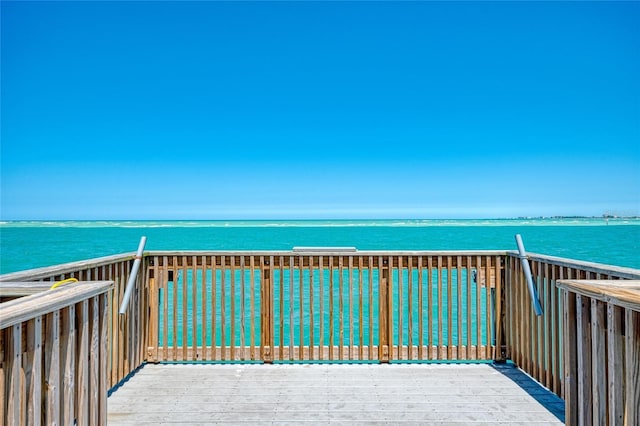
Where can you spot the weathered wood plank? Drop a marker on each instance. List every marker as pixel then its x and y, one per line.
pixel 291 309
pixel 449 308
pixel 488 309
pixel 52 369
pixel 252 321
pixel 50 273
pixel 360 308
pixel 598 365
pixel 164 283
pixel 583 321
pixel 622 293
pixel 13 374
pixel 33 371
pixel 632 366
pixel 232 307
pixel 570 340
pixel 410 318
pixel 23 309
pixel 183 281
pixel 154 312
pixel 615 359
pixel 321 305
pixel 67 364
pixel 398 332
pixel 331 309
pixel 194 302
pixel 104 358
pixel 301 313
pixel 478 303
pixel 243 324
pixel 596 268
pixel 214 310
pixel 383 339
pixel 469 309
pixel 204 316
pixel 351 330
pixel 459 315
pixel 281 312
pixel 223 302
pixel 420 308
pixel 20 289
pixel 340 308
pixel 556 328
pixel 499 314
pixel 430 311
pixel 536 331
pixel 94 360
pixel 119 324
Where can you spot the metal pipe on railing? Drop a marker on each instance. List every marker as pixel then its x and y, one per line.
pixel 132 276
pixel 527 274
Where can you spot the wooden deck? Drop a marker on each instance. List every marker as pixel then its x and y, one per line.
pixel 333 394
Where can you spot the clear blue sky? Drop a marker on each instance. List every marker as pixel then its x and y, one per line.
pixel 211 110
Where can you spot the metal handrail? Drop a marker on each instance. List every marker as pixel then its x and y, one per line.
pixel 527 274
pixel 132 276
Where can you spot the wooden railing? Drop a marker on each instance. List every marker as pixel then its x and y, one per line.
pixel 292 306
pixel 602 351
pixel 127 333
pixel 535 343
pixel 54 356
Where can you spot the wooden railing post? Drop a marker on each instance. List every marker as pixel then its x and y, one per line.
pixel 500 311
pixel 266 312
pixel 632 366
pixel 385 314
pixel 153 309
pixel 570 348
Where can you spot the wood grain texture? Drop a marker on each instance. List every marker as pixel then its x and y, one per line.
pixel 327 394
pixel 20 310
pixel 33 371
pixel 621 293
pixel 615 358
pixel 632 367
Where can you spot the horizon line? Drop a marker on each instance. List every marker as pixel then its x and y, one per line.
pixel 604 216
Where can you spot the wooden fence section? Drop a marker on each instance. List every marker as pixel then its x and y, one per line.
pixel 299 306
pixel 127 333
pixel 535 343
pixel 54 355
pixel 305 306
pixel 602 351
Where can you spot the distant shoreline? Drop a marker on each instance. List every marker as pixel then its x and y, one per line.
pixel 234 223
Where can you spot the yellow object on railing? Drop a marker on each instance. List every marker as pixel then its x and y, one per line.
pixel 63 282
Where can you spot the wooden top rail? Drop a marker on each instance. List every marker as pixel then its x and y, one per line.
pixel 598 268
pixel 305 260
pixel 25 308
pixel 49 271
pixel 19 289
pixel 314 251
pixel 622 293
pixel 324 249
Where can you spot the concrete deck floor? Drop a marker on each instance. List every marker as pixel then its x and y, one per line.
pixel 333 394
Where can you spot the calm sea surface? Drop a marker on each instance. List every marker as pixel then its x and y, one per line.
pixel 32 244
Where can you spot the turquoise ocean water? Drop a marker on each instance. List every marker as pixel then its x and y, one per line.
pixel 31 244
